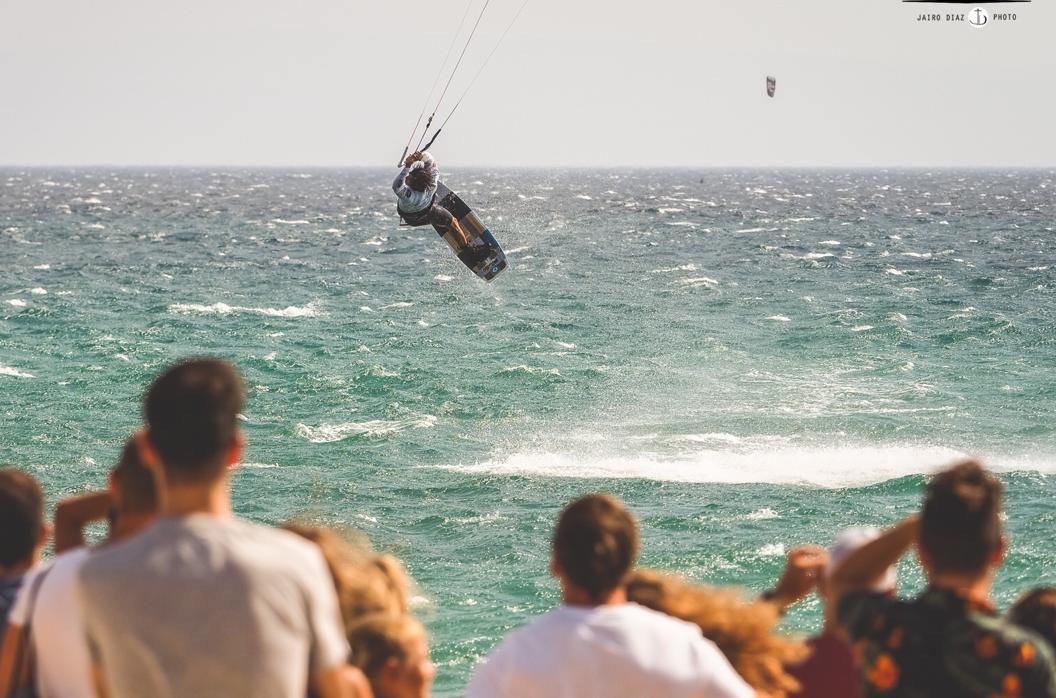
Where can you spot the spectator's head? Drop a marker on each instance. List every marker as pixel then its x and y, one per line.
pixel 419 178
pixel 745 632
pixel 366 582
pixel 135 490
pixel 393 652
pixel 24 531
pixel 594 547
pixel 192 420
pixel 960 522
pixel 1036 610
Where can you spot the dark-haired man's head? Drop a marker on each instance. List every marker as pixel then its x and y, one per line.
pixel 192 412
pixel 1036 610
pixel 960 523
pixel 135 490
pixel 595 546
pixel 419 179
pixel 23 531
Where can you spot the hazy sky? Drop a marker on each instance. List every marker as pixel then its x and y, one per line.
pixel 577 82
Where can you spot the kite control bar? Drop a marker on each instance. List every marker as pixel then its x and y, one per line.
pixel 428 145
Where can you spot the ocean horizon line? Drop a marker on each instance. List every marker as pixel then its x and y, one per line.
pixel 536 168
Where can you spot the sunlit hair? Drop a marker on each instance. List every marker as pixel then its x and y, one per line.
pixel 379 637
pixel 744 631
pixel 366 582
pixel 1036 610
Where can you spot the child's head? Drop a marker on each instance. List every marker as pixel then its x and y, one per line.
pixel 393 652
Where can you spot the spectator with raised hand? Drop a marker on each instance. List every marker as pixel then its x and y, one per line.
pixel 55 645
pixel 948 641
pixel 597 643
pixel 829 670
pixel 202 603
pixel 23 533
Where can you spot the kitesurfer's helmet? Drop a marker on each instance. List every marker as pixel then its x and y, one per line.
pixel 419 179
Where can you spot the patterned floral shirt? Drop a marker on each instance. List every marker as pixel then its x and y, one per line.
pixel 941 644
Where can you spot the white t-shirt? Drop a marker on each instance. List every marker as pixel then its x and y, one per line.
pixel 57 626
pixel 607 652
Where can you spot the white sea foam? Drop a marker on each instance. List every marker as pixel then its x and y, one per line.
pixel 720 437
pixel 699 281
pixel 17 302
pixel 584 197
pixel 684 267
pixel 258 466
pixel 534 370
pixel 771 550
pixel 763 514
pixel 861 328
pixel 442 277
pixel 830 243
pixel 14 372
pixel 327 433
pixel 779 318
pixel 42 267
pixel 38 291
pixel 827 467
pixel 293 311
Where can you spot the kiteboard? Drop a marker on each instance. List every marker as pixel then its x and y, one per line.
pixel 482 255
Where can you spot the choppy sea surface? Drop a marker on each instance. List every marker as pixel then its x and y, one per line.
pixel 751 359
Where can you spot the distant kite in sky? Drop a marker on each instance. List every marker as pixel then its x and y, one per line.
pixel 771 85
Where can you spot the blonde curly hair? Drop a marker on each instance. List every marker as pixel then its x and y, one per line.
pixel 366 581
pixel 743 630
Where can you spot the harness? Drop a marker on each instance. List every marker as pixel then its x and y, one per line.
pixel 416 218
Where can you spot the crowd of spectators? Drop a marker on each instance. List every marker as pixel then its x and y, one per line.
pixel 185 599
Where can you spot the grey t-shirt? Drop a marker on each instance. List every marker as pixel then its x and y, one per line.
pixel 205 606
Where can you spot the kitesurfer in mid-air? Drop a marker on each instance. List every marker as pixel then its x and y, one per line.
pixel 415 188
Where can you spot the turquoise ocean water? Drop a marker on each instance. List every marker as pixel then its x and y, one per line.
pixel 751 359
